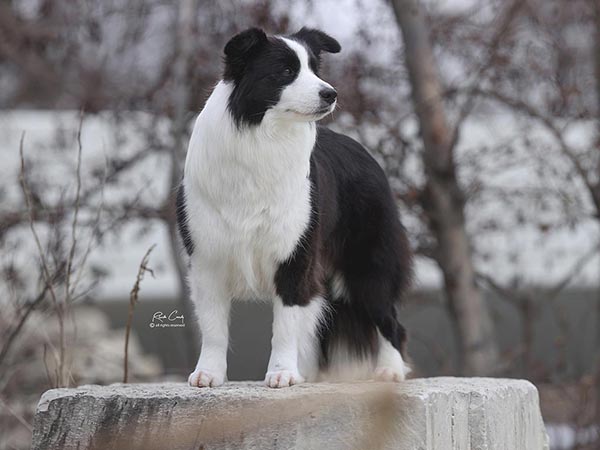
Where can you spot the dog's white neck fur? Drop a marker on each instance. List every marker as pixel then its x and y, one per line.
pixel 243 170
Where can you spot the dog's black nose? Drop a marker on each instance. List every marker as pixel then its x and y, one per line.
pixel 328 95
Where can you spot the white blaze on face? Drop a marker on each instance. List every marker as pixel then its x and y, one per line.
pixel 300 99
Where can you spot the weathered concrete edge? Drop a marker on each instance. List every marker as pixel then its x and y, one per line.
pixel 412 387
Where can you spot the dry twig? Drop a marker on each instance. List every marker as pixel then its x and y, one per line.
pixel 133 299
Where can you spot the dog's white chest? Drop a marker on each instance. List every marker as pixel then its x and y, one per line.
pixel 247 196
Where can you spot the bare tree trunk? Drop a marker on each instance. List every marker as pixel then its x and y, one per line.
pixel 596 56
pixel 443 200
pixel 184 46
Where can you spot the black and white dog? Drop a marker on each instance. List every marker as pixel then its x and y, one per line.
pixel 274 206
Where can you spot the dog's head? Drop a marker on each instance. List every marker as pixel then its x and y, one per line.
pixel 278 75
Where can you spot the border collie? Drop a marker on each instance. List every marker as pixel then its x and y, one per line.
pixel 273 206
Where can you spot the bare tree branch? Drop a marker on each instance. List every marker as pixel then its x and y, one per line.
pixel 75 213
pixel 28 308
pixel 26 194
pixel 523 107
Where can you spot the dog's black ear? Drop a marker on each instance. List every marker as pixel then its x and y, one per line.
pixel 239 49
pixel 318 41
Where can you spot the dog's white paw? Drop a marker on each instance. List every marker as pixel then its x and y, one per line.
pixel 283 378
pixel 205 378
pixel 390 374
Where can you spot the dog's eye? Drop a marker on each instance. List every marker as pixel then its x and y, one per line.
pixel 287 71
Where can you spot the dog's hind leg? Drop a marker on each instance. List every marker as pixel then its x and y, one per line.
pixel 376 295
pixel 390 365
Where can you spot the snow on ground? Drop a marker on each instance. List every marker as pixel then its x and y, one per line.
pixel 50 145
pixel 567 437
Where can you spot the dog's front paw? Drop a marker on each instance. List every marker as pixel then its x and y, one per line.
pixel 389 374
pixel 205 378
pixel 283 378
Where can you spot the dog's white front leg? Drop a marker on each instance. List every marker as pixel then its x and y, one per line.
pixel 295 343
pixel 283 363
pixel 212 304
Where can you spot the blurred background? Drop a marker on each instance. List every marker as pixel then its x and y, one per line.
pixel 484 114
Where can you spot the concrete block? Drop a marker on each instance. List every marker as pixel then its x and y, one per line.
pixel 420 414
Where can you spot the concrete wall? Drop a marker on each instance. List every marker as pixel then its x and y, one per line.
pixel 420 414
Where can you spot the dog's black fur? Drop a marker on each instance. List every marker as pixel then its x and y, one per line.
pixel 354 232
